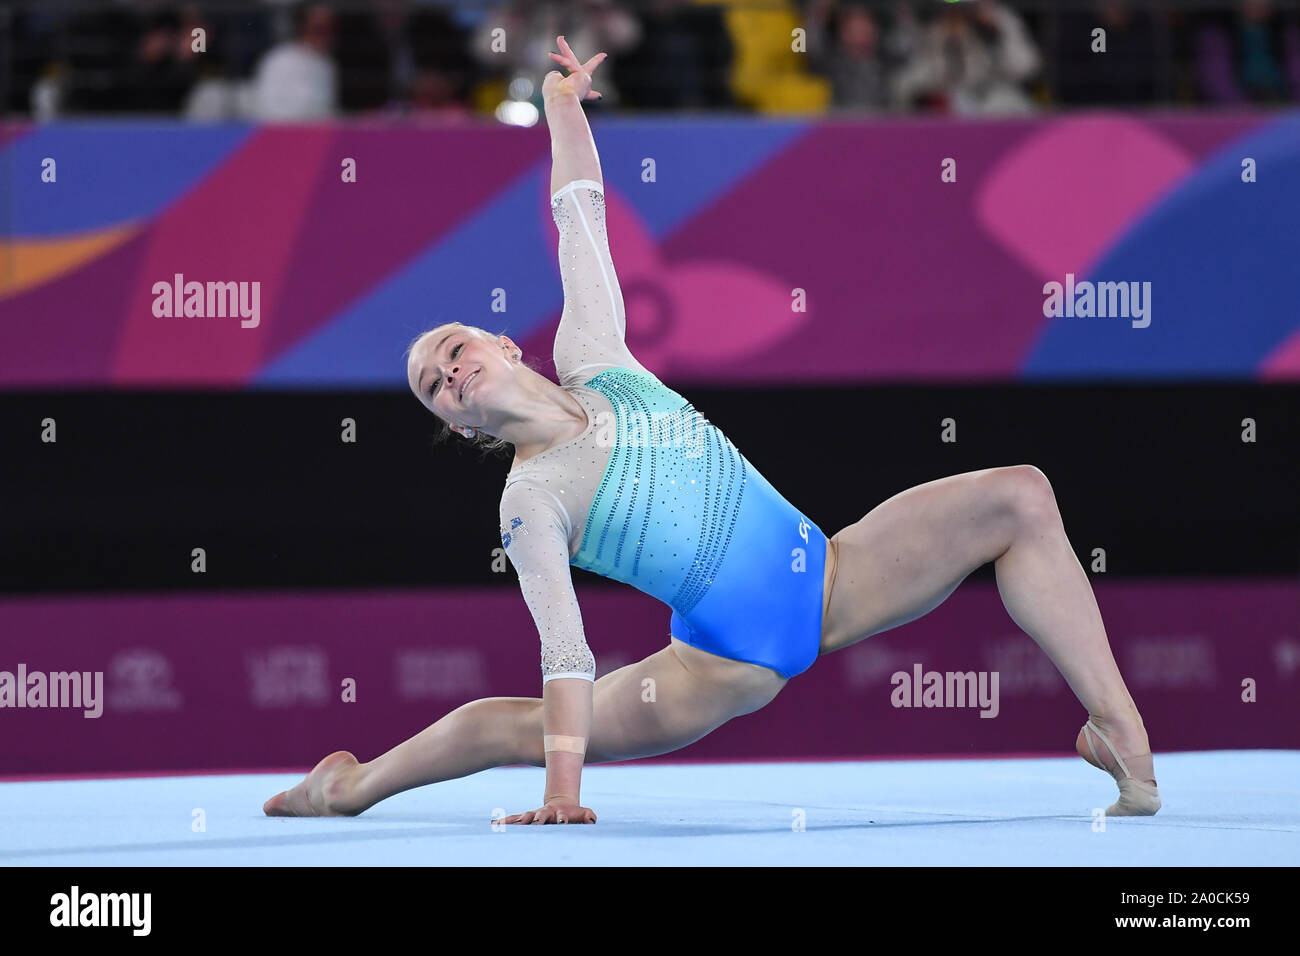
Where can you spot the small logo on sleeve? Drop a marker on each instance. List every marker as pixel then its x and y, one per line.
pixel 517 530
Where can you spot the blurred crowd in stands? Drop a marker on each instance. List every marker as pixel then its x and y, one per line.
pixel 272 60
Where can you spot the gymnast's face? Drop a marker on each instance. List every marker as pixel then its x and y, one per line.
pixel 463 375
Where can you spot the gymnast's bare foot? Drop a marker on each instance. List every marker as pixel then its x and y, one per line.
pixel 324 793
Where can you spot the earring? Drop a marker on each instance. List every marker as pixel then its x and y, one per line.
pixel 469 433
pixel 518 355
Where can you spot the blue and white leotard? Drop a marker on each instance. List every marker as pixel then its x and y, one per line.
pixel 651 494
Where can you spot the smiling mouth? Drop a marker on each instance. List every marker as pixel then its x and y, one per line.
pixel 465 384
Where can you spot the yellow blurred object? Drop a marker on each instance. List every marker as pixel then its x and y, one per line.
pixel 488 94
pixel 767 74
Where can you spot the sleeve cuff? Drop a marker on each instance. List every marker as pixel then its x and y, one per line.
pixel 578 184
pixel 582 674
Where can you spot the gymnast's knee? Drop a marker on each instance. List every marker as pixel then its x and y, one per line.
pixel 1027 494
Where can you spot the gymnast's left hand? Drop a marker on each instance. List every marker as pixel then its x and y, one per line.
pixel 578 82
pixel 555 811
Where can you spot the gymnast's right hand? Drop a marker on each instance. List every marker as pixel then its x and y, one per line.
pixel 558 810
pixel 578 82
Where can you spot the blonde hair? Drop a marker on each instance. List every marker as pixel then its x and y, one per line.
pixel 487 444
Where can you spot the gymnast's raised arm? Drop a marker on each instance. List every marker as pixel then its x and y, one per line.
pixel 592 332
pixel 573 151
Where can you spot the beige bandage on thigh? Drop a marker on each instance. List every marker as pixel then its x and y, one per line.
pixel 573 745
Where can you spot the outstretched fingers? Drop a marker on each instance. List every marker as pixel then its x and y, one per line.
pixel 551 814
pixel 569 60
pixel 571 64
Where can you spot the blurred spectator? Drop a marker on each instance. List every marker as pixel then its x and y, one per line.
pixel 164 68
pixel 683 60
pixel 438 71
pixel 394 29
pixel 1125 74
pixel 100 44
pixel 844 44
pixel 364 58
pixel 531 26
pixel 237 36
pixel 971 59
pixel 47 93
pixel 297 80
pixel 31 58
pixel 1254 55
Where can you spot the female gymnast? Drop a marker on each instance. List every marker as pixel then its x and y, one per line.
pixel 693 524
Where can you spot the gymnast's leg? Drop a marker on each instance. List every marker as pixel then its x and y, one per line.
pixel 670 699
pixel 909 553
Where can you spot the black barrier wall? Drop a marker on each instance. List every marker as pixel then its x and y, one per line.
pixel 1159 476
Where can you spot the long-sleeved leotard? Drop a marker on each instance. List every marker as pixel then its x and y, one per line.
pixel 651 494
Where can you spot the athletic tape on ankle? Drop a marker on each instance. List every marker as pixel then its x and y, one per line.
pixel 573 745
